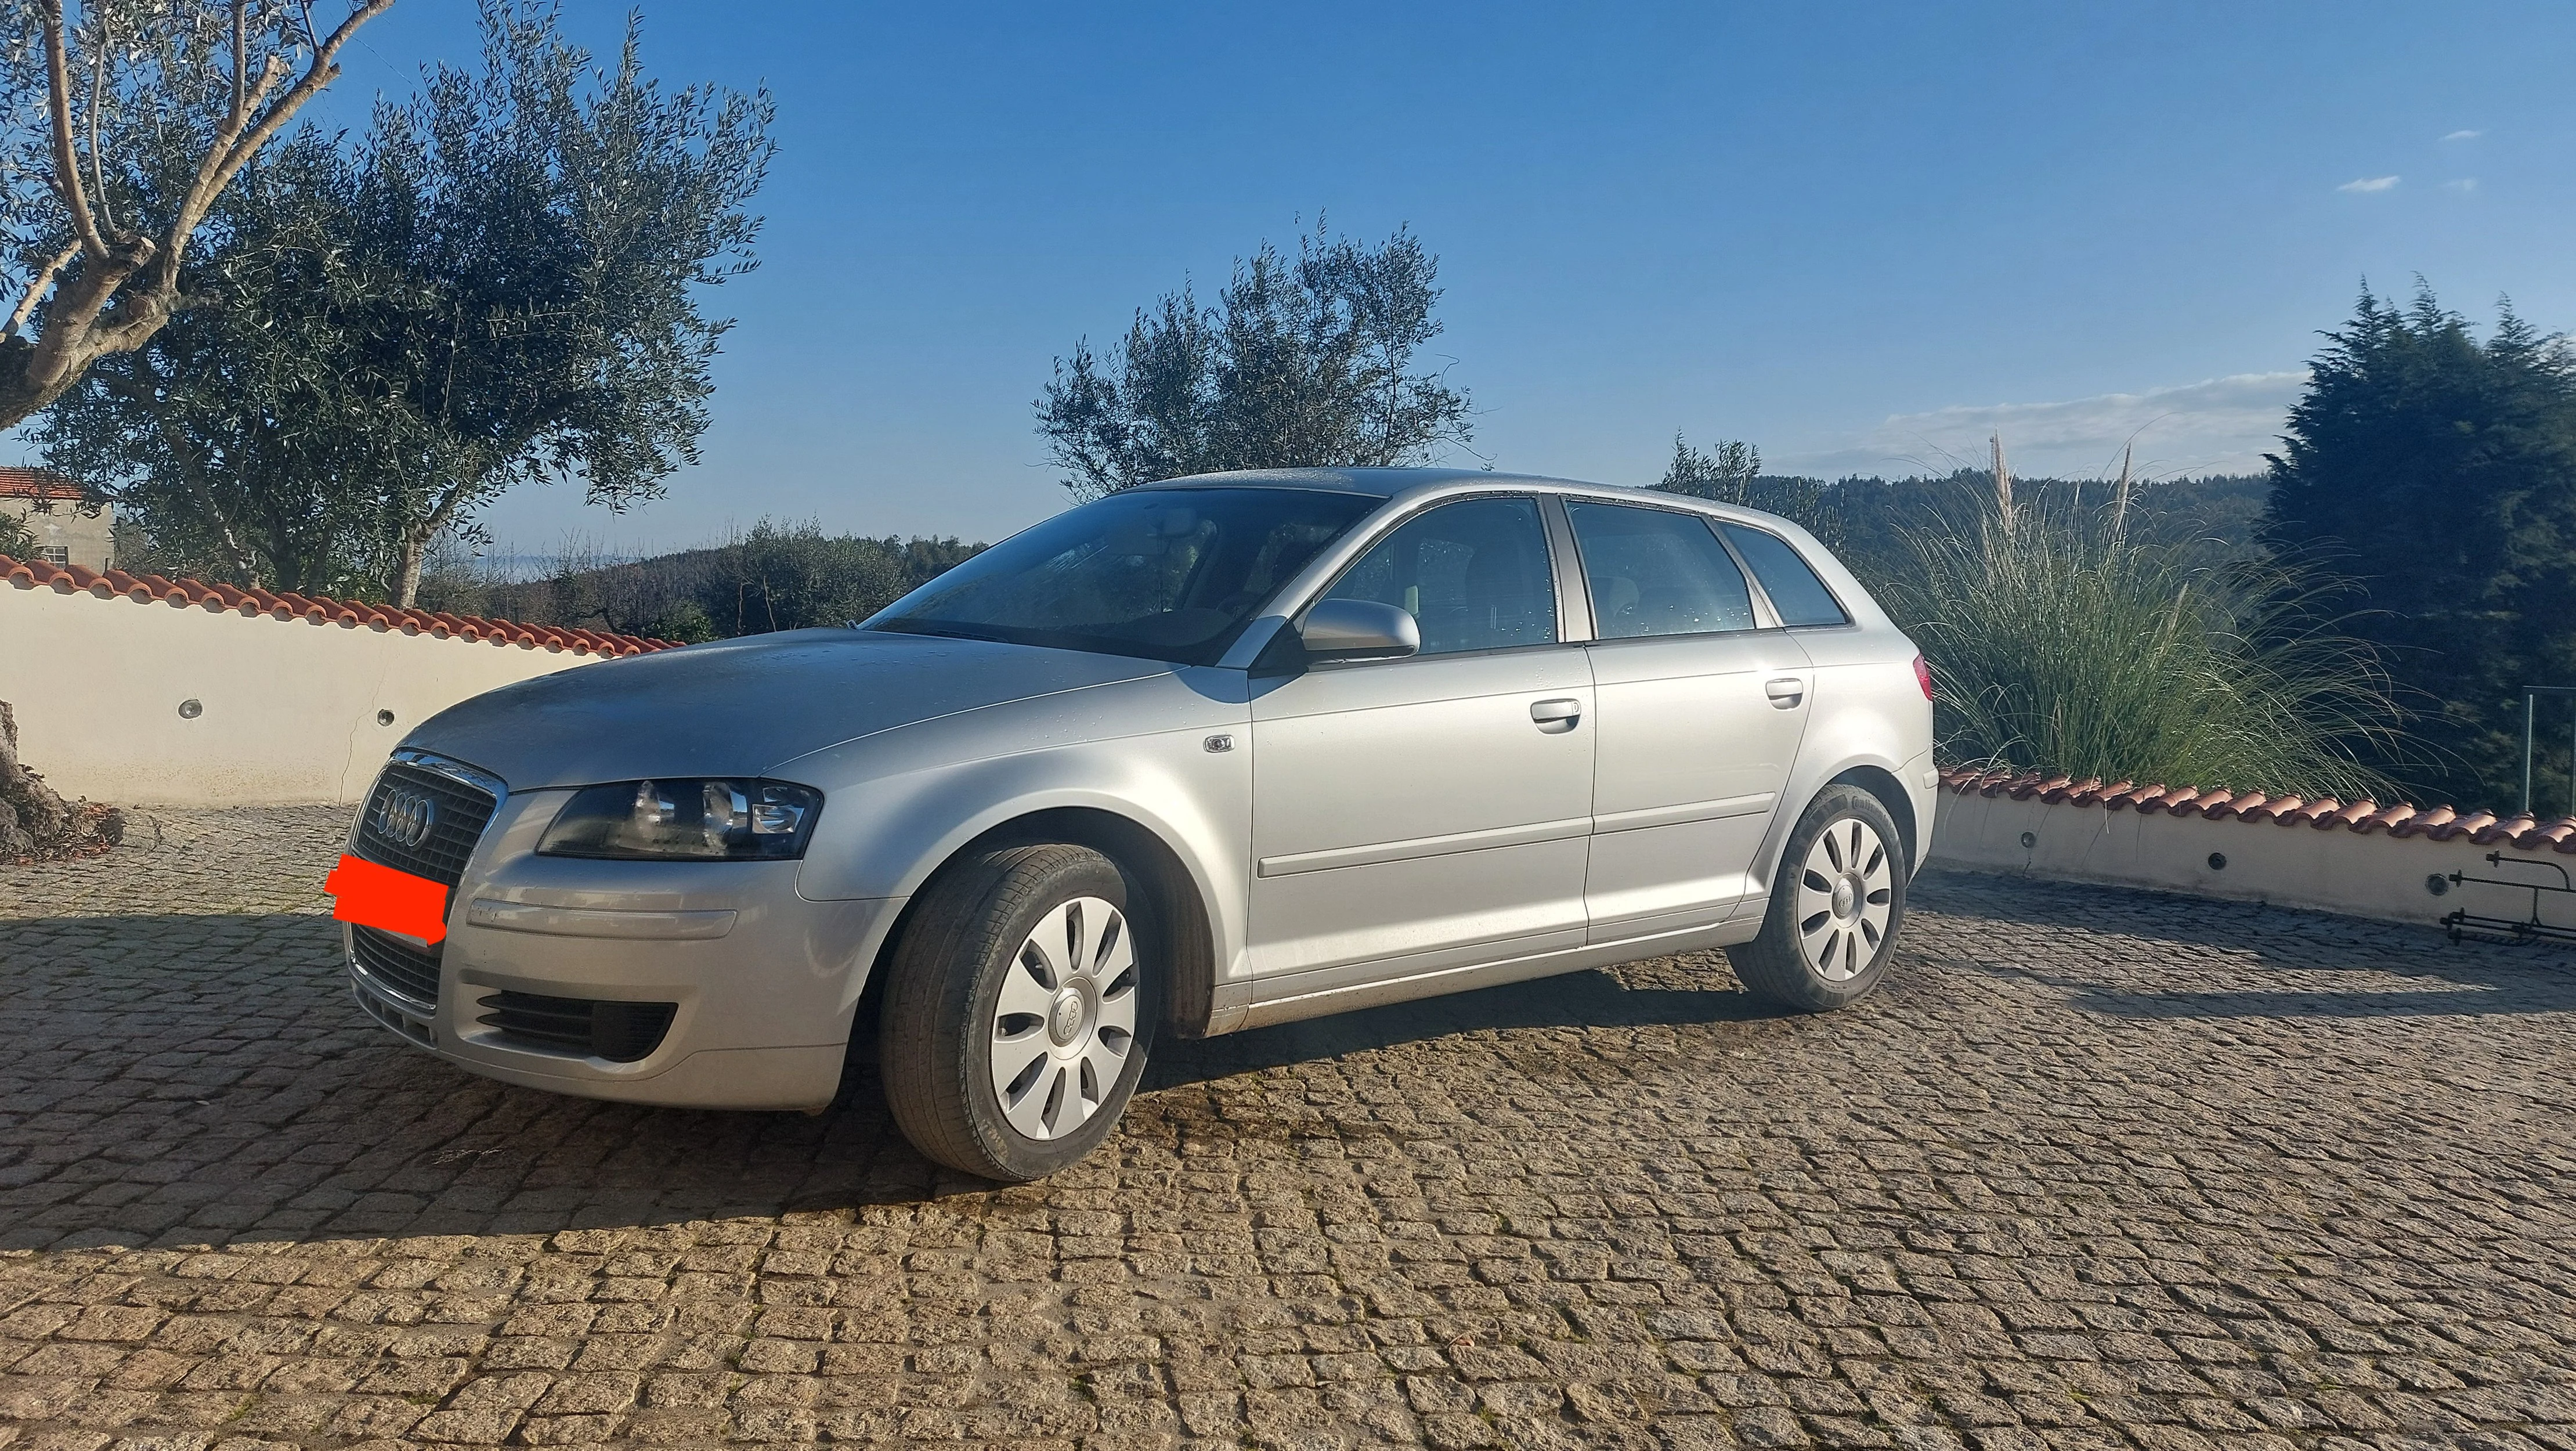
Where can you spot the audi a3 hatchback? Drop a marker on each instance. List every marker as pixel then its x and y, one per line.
pixel 1198 757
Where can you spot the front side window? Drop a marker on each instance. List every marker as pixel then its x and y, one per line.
pixel 1473 574
pixel 1790 581
pixel 1657 572
pixel 1168 574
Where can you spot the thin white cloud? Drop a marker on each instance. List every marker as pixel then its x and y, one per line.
pixel 2218 425
pixel 2466 183
pixel 2464 136
pixel 2368 183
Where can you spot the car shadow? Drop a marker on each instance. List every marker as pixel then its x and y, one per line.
pixel 185 1080
pixel 1593 999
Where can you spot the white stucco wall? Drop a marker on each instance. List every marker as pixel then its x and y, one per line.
pixel 289 708
pixel 2374 875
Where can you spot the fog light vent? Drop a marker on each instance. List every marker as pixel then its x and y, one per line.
pixel 621 1032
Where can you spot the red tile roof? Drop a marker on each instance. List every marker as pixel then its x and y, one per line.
pixel 26 483
pixel 2523 832
pixel 348 614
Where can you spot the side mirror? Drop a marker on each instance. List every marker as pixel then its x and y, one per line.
pixel 1358 630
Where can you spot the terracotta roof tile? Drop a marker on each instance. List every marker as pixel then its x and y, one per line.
pixel 2423 822
pixel 2271 809
pixel 2178 799
pixel 2467 824
pixel 2504 830
pixel 20 482
pixel 221 598
pixel 2522 831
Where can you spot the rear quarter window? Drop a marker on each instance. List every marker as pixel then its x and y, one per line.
pixel 1796 592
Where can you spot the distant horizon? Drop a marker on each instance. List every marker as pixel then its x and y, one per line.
pixel 524 565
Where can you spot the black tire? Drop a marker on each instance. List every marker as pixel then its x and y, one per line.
pixel 1778 966
pixel 944 985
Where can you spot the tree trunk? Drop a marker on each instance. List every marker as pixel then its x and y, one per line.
pixel 407 572
pixel 35 821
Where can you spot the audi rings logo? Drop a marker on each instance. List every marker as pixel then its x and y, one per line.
pixel 405 816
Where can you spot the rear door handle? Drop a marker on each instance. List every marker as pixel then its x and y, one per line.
pixel 1786 692
pixel 1560 714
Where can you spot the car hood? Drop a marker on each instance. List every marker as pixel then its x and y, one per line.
pixel 739 707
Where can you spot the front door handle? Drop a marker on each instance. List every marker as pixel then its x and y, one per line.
pixel 1553 716
pixel 1786 692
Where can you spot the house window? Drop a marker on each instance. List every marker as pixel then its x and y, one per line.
pixel 54 554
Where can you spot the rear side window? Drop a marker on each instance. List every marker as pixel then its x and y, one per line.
pixel 1656 572
pixel 1795 592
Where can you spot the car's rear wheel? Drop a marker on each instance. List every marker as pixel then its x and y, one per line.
pixel 1019 1007
pixel 1836 904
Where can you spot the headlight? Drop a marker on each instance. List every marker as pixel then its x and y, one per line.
pixel 691 820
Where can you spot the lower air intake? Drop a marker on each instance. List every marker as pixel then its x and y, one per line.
pixel 620 1032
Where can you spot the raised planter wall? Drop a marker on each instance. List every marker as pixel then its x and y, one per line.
pixel 290 690
pixel 2363 860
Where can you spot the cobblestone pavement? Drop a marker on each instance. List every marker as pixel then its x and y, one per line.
pixel 2103 1169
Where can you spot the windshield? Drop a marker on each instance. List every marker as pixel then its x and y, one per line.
pixel 1169 574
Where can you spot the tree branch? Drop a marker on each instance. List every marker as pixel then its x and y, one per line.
pixel 235 146
pixel 36 289
pixel 97 85
pixel 58 102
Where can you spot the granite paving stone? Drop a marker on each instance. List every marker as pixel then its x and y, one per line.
pixel 2101 1170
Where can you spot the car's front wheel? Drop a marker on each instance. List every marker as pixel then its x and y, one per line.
pixel 1836 903
pixel 1017 1011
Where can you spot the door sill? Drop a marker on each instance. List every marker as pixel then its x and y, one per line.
pixel 1440 982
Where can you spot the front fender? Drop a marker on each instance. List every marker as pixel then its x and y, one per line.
pixel 883 836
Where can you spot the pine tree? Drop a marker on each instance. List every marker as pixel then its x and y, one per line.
pixel 2438 472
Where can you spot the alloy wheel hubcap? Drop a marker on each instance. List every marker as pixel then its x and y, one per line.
pixel 1064 1023
pixel 1846 892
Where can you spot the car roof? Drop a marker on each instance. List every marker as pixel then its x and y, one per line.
pixel 1392 483
pixel 1383 483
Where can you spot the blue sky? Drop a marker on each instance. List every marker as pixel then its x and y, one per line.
pixel 1859 236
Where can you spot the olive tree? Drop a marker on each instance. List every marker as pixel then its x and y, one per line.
pixel 1301 362
pixel 103 108
pixel 497 285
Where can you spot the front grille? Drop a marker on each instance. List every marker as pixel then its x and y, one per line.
pixel 396 966
pixel 460 812
pixel 620 1032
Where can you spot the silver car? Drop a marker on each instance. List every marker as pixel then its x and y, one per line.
pixel 1217 753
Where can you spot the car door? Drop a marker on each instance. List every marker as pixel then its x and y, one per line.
pixel 1700 714
pixel 1425 812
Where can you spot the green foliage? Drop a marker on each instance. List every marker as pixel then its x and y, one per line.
pixel 1300 364
pixel 16 540
pixel 120 122
pixel 1724 474
pixel 775 577
pixel 2441 473
pixel 794 578
pixel 497 287
pixel 1732 473
pixel 2060 643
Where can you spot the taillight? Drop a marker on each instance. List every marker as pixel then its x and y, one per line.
pixel 1923 675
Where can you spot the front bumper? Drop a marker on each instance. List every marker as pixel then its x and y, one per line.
pixel 763 983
